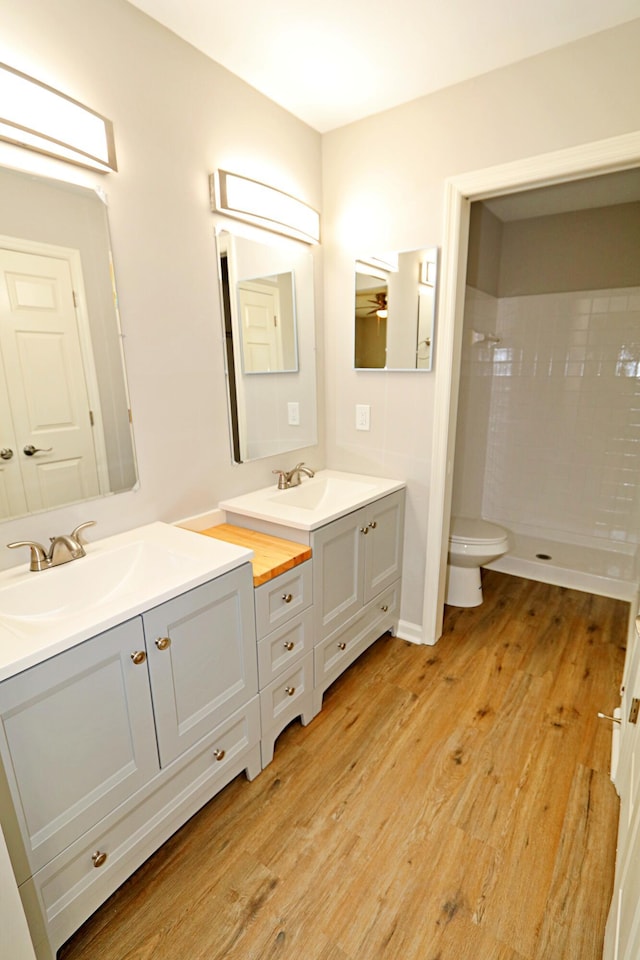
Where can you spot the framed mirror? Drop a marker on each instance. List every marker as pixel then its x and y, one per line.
pixel 65 425
pixel 268 315
pixel 395 308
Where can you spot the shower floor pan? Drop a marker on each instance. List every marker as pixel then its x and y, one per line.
pixel 607 573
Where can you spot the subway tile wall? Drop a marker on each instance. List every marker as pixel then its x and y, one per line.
pixel 549 417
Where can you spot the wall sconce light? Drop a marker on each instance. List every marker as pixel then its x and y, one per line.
pixel 428 271
pixel 264 206
pixel 36 116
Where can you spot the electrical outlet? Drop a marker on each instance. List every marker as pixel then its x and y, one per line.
pixel 293 411
pixel 363 412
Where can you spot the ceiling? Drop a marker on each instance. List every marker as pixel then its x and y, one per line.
pixel 601 191
pixel 331 62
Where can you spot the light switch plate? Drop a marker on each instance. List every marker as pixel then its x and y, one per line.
pixel 293 410
pixel 363 414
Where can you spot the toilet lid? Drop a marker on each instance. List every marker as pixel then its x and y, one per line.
pixel 472 530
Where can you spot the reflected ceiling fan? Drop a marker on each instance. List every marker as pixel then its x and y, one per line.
pixel 379 303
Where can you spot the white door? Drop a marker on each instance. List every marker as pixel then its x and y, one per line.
pixel 12 498
pixel 45 380
pixel 260 319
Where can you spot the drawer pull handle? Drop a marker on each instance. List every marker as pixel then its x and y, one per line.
pixel 373 524
pixel 289 645
pixel 384 607
pixel 364 530
pixel 219 754
pixel 138 656
pixel 342 646
pixel 287 597
pixel 290 691
pixel 99 858
pixel 163 643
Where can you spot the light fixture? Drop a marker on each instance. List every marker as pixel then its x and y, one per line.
pixel 264 206
pixel 36 116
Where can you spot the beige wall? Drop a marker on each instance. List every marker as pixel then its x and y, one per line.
pixel 177 117
pixel 581 250
pixel 384 180
pixel 485 247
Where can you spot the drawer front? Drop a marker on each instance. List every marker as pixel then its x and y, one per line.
pixel 283 699
pixel 282 598
pixel 284 647
pixel 73 885
pixel 335 653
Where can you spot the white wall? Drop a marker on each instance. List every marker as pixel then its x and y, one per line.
pixel 383 189
pixel 177 117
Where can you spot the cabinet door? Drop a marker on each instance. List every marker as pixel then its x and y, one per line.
pixel 77 738
pixel 384 519
pixel 202 659
pixel 338 562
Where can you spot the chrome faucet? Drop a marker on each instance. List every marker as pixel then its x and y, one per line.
pixel 291 478
pixel 63 548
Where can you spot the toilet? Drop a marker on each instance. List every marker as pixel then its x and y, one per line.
pixel 472 543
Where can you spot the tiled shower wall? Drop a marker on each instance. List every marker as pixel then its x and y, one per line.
pixel 549 417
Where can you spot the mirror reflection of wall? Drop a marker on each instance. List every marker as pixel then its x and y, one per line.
pixel 270 364
pixel 65 429
pixel 395 310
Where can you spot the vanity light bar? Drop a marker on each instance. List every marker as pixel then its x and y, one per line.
pixel 264 206
pixel 36 116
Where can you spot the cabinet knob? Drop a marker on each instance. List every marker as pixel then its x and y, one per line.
pixel 138 656
pixel 373 525
pixel 342 646
pixel 364 530
pixel 384 607
pixel 287 597
pixel 290 691
pixel 163 643
pixel 99 857
pixel 289 645
pixel 219 754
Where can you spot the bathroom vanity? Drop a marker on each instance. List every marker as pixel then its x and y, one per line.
pixel 137 682
pixel 111 744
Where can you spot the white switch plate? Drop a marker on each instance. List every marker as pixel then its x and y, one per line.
pixel 293 410
pixel 363 414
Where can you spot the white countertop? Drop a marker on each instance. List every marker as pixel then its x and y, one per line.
pixel 315 501
pixel 120 577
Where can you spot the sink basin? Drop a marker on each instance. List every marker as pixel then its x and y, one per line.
pixel 46 612
pixel 314 502
pixel 323 489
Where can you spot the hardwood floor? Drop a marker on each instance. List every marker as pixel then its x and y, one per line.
pixel 449 803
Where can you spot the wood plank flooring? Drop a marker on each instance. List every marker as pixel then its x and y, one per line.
pixel 449 803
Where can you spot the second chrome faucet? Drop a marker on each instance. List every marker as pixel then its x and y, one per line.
pixel 63 548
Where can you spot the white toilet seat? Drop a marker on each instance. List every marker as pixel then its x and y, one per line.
pixel 475 532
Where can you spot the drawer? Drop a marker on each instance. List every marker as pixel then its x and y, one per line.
pixel 76 882
pixel 335 653
pixel 284 647
pixel 285 698
pixel 282 598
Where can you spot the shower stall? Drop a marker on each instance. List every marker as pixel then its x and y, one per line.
pixel 548 435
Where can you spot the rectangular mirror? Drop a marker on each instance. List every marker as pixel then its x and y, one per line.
pixel 268 315
pixel 395 307
pixel 65 426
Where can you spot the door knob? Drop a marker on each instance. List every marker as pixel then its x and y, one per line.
pixel 6 453
pixel 29 450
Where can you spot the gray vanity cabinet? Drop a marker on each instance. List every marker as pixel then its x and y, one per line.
pixel 108 748
pixel 202 661
pixel 77 739
pixel 357 564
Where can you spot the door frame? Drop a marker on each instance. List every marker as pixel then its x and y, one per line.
pixel 573 163
pixel 74 260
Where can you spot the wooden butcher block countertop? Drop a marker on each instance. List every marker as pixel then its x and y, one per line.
pixel 271 555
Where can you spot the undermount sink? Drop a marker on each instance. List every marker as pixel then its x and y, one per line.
pixel 119 577
pixel 314 502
